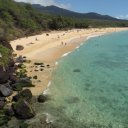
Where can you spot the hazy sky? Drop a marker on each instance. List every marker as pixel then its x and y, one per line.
pixel 116 8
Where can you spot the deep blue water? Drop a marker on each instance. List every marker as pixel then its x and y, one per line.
pixel 90 86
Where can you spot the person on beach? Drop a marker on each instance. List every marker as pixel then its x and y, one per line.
pixel 62 42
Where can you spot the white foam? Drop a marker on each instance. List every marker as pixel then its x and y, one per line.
pixel 47 89
pixel 91 36
pixel 77 47
pixel 66 54
pixel 81 44
pixel 49 118
pixel 49 84
pixel 56 63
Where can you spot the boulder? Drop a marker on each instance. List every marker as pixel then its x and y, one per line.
pixel 25 80
pixel 5 91
pixel 42 98
pixel 23 110
pixel 7 84
pixel 1 68
pixel 4 76
pixel 2 102
pixel 19 47
pixel 13 79
pixel 11 62
pixel 19 59
pixel 25 94
pixel 11 70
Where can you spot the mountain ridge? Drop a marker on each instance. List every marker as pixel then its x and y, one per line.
pixel 64 12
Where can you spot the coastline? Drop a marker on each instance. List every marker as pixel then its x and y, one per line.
pixel 49 48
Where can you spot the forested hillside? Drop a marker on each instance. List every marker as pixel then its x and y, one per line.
pixel 18 19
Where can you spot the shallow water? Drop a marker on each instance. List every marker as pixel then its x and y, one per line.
pixel 90 86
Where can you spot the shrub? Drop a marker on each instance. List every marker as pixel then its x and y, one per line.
pixel 4 60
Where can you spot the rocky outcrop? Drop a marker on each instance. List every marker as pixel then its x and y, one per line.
pixel 13 79
pixel 4 77
pixel 23 110
pixel 25 80
pixel 25 94
pixel 10 80
pixel 5 90
pixel 19 59
pixel 2 102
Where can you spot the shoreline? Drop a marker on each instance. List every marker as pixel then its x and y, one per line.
pixel 51 47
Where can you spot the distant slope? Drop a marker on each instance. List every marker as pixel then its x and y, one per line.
pixel 60 11
pixel 21 19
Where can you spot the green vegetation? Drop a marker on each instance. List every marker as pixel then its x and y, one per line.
pixel 21 73
pixel 20 86
pixel 23 125
pixel 4 59
pixel 3 118
pixel 17 20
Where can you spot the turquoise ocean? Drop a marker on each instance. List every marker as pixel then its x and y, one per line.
pixel 89 88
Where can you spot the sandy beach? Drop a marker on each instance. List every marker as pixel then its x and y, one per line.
pixel 48 47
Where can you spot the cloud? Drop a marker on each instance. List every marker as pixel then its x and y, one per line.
pixel 122 17
pixel 47 3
